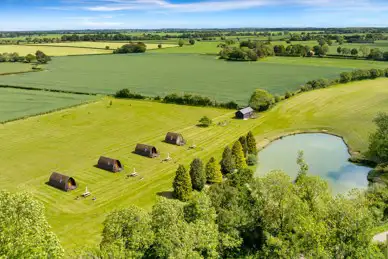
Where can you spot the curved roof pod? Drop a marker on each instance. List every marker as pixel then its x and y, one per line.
pixel 175 138
pixel 146 150
pixel 62 182
pixel 109 164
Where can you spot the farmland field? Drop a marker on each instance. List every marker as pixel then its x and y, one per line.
pixel 159 74
pixel 100 45
pixel 24 50
pixel 8 67
pixel 15 103
pixel 71 144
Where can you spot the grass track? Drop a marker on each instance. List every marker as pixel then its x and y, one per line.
pixel 73 139
pixel 159 74
pixel 16 103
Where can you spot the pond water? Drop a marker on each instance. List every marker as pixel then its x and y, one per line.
pixel 326 155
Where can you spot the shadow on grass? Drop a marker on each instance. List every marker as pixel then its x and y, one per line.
pixel 167 195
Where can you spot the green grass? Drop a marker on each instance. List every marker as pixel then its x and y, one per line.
pixel 70 141
pixel 159 74
pixel 15 103
pixel 99 45
pixel 8 67
pixel 200 47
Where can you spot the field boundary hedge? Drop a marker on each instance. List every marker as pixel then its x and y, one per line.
pixel 46 89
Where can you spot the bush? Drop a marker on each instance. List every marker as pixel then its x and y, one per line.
pixel 345 77
pixel 261 100
pixel 188 99
pixel 138 47
pixel 251 160
pixel 192 41
pixel 160 46
pixel 126 93
pixel 181 43
pixel 288 95
pixel 205 122
pixel 107 47
pixel 277 98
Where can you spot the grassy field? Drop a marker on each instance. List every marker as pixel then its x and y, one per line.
pixel 15 103
pixel 24 50
pixel 8 67
pixel 69 142
pixel 101 45
pixel 160 74
pixel 199 47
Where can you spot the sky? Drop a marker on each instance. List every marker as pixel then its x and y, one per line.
pixel 156 14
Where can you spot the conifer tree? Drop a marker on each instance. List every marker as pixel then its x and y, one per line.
pixel 182 184
pixel 197 174
pixel 251 142
pixel 213 171
pixel 244 144
pixel 227 165
pixel 238 156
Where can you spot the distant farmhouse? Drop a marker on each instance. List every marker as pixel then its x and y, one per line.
pixel 246 113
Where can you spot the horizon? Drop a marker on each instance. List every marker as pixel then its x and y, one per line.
pixel 45 15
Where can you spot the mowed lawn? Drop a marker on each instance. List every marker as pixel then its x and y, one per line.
pixel 24 50
pixel 160 74
pixel 15 103
pixel 8 67
pixel 101 45
pixel 72 140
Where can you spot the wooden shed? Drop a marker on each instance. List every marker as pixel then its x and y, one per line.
pixel 62 182
pixel 175 138
pixel 109 164
pixel 146 150
pixel 245 113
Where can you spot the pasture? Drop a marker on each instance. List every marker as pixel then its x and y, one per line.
pixel 154 74
pixel 7 68
pixel 15 103
pixel 24 50
pixel 100 45
pixel 70 143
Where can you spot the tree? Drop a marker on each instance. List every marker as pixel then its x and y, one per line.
pixel 238 156
pixel 25 232
pixel 182 184
pixel 354 52
pixel 303 167
pixel 244 145
pixel 365 51
pixel 205 122
pixel 251 142
pixel 325 49
pixel 181 43
pixel 197 174
pixel 213 171
pixel 132 47
pixel 378 141
pixel 261 100
pixel 345 77
pixel 227 164
pixel 41 57
pixel 127 233
pixel 107 47
pixel 192 41
pixel 160 46
pixel 339 50
pixel 29 58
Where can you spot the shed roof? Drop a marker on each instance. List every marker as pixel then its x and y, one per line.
pixel 246 110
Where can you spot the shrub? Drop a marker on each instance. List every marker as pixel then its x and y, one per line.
pixel 251 160
pixel 160 46
pixel 213 171
pixel 288 95
pixel 205 122
pixel 138 47
pixel 107 47
pixel 182 184
pixel 126 93
pixel 188 99
pixel 261 100
pixel 181 43
pixel 192 41
pixel 345 77
pixel 197 174
pixel 277 98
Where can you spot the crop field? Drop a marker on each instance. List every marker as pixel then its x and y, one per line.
pixel 24 50
pixel 6 68
pixel 159 74
pixel 71 144
pixel 100 45
pixel 15 103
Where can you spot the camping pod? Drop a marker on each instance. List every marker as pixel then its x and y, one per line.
pixel 109 164
pixel 245 113
pixel 62 182
pixel 146 150
pixel 175 139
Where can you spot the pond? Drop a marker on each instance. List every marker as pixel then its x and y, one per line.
pixel 326 155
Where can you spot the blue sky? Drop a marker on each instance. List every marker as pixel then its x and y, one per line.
pixel 149 14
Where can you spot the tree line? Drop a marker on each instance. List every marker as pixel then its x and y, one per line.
pixel 132 47
pixel 39 57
